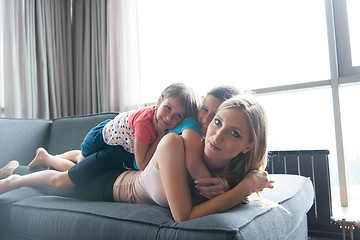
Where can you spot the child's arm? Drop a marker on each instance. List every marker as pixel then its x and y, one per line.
pixel 207 185
pixel 143 152
pixel 193 154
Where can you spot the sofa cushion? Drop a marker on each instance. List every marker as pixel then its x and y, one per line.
pixel 54 217
pixel 6 201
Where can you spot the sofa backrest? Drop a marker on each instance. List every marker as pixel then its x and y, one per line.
pixel 68 133
pixel 19 138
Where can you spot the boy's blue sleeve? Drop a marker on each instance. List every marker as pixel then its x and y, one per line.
pixel 135 166
pixel 188 123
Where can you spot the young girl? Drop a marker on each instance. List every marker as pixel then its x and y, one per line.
pixel 234 148
pixel 134 132
pixel 138 131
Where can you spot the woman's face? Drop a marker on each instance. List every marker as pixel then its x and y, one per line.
pixel 227 135
pixel 207 111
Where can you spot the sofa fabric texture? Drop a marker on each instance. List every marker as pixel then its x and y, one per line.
pixel 44 213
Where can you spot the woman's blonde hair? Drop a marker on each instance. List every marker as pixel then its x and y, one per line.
pixel 257 121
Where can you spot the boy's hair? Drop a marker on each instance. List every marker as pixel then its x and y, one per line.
pixel 188 96
pixel 224 92
pixel 257 121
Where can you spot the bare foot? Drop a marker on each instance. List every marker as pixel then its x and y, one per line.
pixel 40 158
pixel 5 184
pixel 8 169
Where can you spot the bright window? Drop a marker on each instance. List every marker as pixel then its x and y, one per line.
pixel 264 45
pixel 353 9
pixel 302 120
pixel 349 96
pixel 250 44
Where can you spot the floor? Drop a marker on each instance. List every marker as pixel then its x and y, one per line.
pixel 350 213
pixel 319 238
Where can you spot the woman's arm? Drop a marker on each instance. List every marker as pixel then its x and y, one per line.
pixel 170 160
pixel 254 181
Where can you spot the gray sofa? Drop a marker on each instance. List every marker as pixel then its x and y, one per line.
pixel 40 213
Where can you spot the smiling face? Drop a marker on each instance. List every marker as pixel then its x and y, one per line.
pixel 170 112
pixel 227 135
pixel 207 111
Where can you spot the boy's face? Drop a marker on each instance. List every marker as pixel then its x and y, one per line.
pixel 207 111
pixel 170 113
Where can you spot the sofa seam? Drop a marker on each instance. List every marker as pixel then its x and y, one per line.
pixel 162 225
pixel 85 213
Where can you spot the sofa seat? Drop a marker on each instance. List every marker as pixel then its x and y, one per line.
pixel 281 215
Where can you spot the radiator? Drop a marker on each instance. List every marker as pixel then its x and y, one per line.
pixel 315 165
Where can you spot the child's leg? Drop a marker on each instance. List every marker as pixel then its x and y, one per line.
pixel 43 158
pixel 93 141
pixel 73 155
pixel 51 178
pixel 93 166
pixel 8 169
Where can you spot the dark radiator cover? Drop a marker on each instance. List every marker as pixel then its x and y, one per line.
pixel 315 165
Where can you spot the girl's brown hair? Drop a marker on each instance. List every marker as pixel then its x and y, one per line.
pixel 189 98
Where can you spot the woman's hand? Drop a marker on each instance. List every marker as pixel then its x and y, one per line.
pixel 257 180
pixel 245 200
pixel 211 187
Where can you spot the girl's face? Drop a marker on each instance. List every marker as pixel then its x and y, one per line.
pixel 207 111
pixel 227 136
pixel 170 112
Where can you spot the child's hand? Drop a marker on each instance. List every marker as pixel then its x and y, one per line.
pixel 211 187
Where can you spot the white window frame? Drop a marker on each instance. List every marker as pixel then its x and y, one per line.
pixel 2 88
pixel 347 72
pixel 342 73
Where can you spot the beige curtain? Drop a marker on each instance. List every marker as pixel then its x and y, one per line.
pixel 89 38
pixel 123 80
pixel 64 57
pixel 37 71
pixel 17 98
